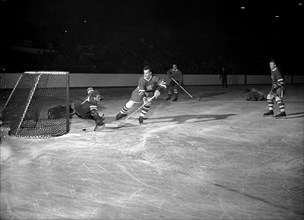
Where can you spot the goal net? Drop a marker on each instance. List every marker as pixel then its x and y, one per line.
pixel 27 110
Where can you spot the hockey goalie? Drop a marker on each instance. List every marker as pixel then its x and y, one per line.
pixel 86 109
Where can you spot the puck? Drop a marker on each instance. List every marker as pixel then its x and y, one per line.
pixel 84 129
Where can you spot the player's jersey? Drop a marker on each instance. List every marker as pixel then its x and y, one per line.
pixel 150 85
pixel 86 108
pixel 147 88
pixel 276 77
pixel 175 74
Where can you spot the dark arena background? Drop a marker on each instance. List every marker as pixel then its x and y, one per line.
pixel 211 154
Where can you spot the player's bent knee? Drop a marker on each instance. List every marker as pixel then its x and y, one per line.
pixel 270 97
pixel 278 99
pixel 130 104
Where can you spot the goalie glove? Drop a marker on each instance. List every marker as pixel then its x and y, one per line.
pixel 98 120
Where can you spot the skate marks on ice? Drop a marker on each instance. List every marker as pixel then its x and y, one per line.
pixel 163 173
pixel 159 173
pixel 202 165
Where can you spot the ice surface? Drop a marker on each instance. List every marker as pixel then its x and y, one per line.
pixel 211 157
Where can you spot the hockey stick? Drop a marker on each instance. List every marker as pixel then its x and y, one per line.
pixel 95 127
pixel 96 124
pixel 183 88
pixel 124 122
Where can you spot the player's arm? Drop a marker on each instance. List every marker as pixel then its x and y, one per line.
pixel 278 83
pixel 160 86
pixel 94 113
pixel 141 87
pixel 169 73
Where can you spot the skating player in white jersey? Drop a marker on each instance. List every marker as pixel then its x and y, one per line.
pixel 277 91
pixel 148 86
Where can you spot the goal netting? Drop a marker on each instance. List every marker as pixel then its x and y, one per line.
pixel 27 110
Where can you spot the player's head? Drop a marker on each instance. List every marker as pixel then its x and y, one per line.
pixel 174 66
pixel 147 73
pixel 272 64
pixel 96 95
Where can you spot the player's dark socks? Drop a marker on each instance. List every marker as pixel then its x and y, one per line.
pixel 169 97
pixel 269 113
pixel 175 97
pixel 120 116
pixel 281 115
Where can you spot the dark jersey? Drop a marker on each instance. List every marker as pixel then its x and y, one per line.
pixel 150 85
pixel 175 74
pixel 276 77
pixel 86 108
pixel 147 87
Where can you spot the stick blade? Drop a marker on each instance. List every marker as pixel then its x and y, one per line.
pixel 115 125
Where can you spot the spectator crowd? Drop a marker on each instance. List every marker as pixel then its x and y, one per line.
pixel 126 52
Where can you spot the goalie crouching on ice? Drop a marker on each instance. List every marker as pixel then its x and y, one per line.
pixel 86 109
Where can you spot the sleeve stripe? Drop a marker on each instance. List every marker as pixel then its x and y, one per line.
pixel 93 107
pixel 163 84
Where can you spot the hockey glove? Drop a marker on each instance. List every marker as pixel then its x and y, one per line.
pixel 98 120
pixel 145 100
pixel 156 93
pixel 274 87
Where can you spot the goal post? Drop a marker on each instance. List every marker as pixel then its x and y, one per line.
pixel 26 111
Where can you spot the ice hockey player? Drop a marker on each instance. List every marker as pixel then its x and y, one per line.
pixel 254 95
pixel 87 109
pixel 276 92
pixel 148 86
pixel 177 75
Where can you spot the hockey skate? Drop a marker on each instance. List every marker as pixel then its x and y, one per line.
pixel 169 97
pixel 175 98
pixel 281 115
pixel 120 116
pixel 141 120
pixel 269 113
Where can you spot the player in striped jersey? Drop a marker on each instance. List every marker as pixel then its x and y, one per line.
pixel 148 86
pixel 87 109
pixel 276 92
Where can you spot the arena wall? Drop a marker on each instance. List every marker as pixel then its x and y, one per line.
pixel 8 80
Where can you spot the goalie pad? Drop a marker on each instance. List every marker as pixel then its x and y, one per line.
pixel 57 112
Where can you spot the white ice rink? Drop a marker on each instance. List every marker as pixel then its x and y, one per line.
pixel 211 157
